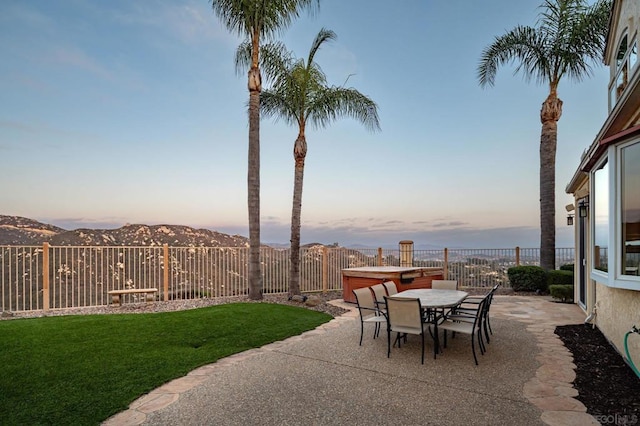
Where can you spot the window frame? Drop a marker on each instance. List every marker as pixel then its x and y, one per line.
pixel 614 277
pixel 597 274
pixel 614 95
pixel 619 238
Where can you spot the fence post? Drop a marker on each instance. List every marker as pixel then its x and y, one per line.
pixel 325 269
pixel 517 256
pixel 165 277
pixel 45 276
pixel 445 271
pixel 380 257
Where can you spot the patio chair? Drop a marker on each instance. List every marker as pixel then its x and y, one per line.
pixel 391 288
pixel 457 323
pixel 369 312
pixel 379 292
pixel 444 284
pixel 404 317
pixel 471 304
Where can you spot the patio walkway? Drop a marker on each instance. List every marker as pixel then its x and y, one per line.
pixel 323 377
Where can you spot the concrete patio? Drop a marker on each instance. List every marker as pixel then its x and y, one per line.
pixel 324 378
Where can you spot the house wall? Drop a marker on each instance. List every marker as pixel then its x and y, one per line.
pixel 617 311
pixel 627 23
pixel 629 14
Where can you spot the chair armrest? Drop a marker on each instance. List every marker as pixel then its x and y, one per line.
pixel 463 318
pixel 381 305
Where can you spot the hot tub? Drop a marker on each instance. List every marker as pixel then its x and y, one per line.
pixel 405 278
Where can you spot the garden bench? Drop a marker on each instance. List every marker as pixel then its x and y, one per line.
pixel 116 294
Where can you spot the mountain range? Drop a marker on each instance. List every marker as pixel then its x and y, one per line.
pixel 16 230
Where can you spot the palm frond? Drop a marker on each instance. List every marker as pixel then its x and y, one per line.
pixel 275 59
pixel 523 45
pixel 243 17
pixel 569 37
pixel 276 105
pixel 243 57
pixel 300 95
pixel 332 103
pixel 323 36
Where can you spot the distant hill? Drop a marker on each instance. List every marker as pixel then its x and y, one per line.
pixel 16 230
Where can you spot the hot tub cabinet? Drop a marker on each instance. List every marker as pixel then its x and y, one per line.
pixel 405 278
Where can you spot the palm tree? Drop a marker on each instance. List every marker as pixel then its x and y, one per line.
pixel 570 35
pixel 255 19
pixel 300 96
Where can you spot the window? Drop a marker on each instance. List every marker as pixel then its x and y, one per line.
pixel 601 217
pixel 630 209
pixel 626 59
pixel 622 50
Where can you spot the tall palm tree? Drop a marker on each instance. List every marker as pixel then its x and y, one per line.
pixel 257 19
pixel 300 96
pixel 570 35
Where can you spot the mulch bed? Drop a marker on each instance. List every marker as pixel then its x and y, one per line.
pixel 607 386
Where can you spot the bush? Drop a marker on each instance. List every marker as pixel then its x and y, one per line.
pixel 567 267
pixel 527 278
pixel 564 292
pixel 559 277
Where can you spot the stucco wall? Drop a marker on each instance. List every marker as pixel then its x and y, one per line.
pixel 617 311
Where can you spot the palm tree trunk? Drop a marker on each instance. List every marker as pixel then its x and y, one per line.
pixel 549 116
pixel 299 155
pixel 253 176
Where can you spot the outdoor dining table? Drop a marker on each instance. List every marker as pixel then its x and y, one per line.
pixel 432 300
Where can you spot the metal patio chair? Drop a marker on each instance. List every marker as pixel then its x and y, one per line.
pixel 369 311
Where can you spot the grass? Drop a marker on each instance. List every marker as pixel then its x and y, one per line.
pixel 83 369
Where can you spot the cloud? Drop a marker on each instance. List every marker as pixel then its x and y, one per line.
pixel 387 233
pixel 275 231
pixel 191 22
pixel 449 224
pixel 74 57
pixel 21 12
pixel 72 223
pixel 12 127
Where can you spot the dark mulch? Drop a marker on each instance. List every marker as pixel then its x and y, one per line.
pixel 607 386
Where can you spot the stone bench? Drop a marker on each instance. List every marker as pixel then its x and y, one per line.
pixel 149 292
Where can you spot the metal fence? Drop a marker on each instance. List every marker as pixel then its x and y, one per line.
pixel 47 277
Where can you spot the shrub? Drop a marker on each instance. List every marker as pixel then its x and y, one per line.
pixel 527 278
pixel 567 267
pixel 559 277
pixel 564 292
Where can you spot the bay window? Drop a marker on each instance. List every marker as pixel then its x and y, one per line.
pixel 630 209
pixel 626 60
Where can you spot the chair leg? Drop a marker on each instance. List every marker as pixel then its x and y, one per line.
pixel 361 331
pixel 388 342
pixel 486 329
pixel 422 335
pixel 481 345
pixel 473 349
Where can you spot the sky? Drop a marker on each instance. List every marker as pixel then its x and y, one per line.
pixel 123 112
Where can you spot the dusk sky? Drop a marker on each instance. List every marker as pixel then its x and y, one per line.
pixel 131 112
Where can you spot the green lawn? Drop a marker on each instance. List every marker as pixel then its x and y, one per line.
pixel 83 369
